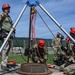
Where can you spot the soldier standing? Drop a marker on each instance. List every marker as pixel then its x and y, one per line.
pixel 56 45
pixel 6 25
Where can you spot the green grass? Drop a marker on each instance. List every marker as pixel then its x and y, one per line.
pixel 19 59
pixel 50 59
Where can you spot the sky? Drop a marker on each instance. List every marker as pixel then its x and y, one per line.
pixel 63 11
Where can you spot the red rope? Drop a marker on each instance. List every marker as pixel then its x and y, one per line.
pixel 33 20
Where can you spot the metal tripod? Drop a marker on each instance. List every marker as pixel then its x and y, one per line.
pixel 31 4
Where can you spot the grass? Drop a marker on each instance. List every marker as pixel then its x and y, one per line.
pixel 22 59
pixel 50 59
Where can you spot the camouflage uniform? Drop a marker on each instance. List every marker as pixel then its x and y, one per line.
pixel 39 55
pixel 69 66
pixel 56 45
pixel 70 70
pixel 6 26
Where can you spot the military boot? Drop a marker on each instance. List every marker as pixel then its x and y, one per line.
pixel 73 73
pixel 4 68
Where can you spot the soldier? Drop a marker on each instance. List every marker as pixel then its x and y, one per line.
pixel 56 45
pixel 6 25
pixel 40 52
pixel 69 66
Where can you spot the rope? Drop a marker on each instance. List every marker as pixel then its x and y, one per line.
pixel 47 26
pixel 19 48
pixel 37 51
pixel 33 21
pixel 45 23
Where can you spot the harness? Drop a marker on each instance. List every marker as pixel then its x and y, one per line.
pixel 40 54
pixel 1 31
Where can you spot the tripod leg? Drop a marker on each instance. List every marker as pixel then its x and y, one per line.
pixel 15 24
pixel 55 22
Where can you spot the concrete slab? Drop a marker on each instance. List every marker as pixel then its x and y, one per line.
pixel 11 72
pixel 55 72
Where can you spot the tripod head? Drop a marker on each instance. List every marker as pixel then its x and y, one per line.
pixel 34 3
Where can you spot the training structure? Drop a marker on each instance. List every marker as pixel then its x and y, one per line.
pixel 31 4
pixel 31 69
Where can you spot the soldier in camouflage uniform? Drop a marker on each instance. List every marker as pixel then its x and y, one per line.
pixel 56 45
pixel 40 52
pixel 69 66
pixel 6 25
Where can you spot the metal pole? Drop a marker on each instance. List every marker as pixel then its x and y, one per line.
pixel 56 22
pixel 29 42
pixel 15 24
